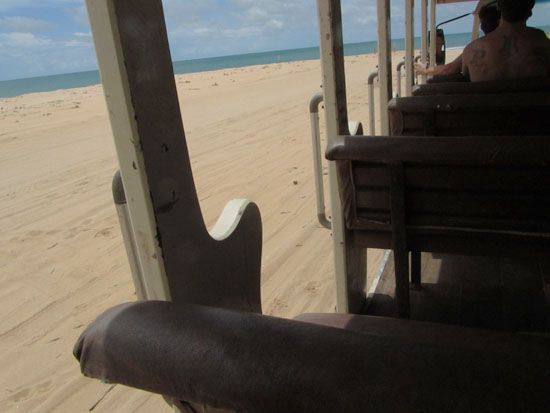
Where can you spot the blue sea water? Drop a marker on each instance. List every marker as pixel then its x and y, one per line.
pixel 10 88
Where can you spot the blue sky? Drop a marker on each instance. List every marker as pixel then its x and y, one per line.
pixel 43 37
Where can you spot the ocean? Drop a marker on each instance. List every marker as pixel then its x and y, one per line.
pixel 10 88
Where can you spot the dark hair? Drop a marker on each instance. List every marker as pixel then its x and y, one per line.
pixel 489 17
pixel 515 10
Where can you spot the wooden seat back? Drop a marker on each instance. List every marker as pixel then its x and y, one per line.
pixel 468 115
pixel 472 195
pixel 455 85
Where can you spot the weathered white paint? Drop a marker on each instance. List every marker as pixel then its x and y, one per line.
pixel 130 157
pixel 409 47
pixel 424 36
pixel 384 62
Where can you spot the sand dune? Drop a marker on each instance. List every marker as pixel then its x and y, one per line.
pixel 62 260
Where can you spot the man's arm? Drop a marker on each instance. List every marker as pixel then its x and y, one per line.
pixel 452 68
pixel 449 69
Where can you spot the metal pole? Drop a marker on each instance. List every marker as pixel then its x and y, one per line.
pixel 416 60
pixel 317 165
pixel 398 70
pixel 433 34
pixel 409 48
pixel 370 89
pixel 384 62
pixel 424 51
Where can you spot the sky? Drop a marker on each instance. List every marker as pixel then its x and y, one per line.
pixel 44 37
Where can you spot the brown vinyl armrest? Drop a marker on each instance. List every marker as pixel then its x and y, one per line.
pixel 253 363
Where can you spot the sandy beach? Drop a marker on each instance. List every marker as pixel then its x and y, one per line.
pixel 62 260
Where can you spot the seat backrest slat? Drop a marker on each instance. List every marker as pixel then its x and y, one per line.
pixel 468 115
pixel 498 193
pixel 452 87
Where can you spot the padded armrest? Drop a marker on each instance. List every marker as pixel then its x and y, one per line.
pixel 254 363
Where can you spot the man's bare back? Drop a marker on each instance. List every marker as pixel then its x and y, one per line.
pixel 512 51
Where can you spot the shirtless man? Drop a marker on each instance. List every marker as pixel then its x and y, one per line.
pixel 489 17
pixel 512 51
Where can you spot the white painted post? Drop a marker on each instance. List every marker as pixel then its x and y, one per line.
pixel 349 263
pixel 384 62
pixel 424 51
pixel 433 33
pixel 409 47
pixel 129 151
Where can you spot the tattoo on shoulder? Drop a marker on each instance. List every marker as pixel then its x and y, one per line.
pixel 477 57
pixel 509 46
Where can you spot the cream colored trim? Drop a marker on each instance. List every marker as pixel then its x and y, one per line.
pixel 424 51
pixel 130 156
pixel 384 62
pixel 433 33
pixel 409 47
pixel 329 73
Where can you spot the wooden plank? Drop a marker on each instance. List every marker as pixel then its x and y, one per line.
pixel 482 102
pixel 489 244
pixel 457 178
pixel 488 151
pixel 490 87
pixel 476 178
pixel 377 220
pixel 510 205
pixel 507 121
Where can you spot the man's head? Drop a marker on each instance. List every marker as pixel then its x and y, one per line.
pixel 489 17
pixel 515 10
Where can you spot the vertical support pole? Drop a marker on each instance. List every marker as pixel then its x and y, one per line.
pixel 475 28
pixel 114 77
pixel 384 62
pixel 349 262
pixel 399 239
pixel 370 91
pixel 409 47
pixel 128 236
pixel 433 33
pixel 424 51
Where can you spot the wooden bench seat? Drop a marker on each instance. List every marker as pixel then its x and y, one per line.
pixel 464 195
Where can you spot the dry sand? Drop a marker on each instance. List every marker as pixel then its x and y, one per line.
pixel 62 261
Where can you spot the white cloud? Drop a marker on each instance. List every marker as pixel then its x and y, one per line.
pixel 6 5
pixel 37 55
pixel 25 24
pixel 24 40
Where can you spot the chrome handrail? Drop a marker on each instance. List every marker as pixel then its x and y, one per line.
pixel 370 87
pixel 317 165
